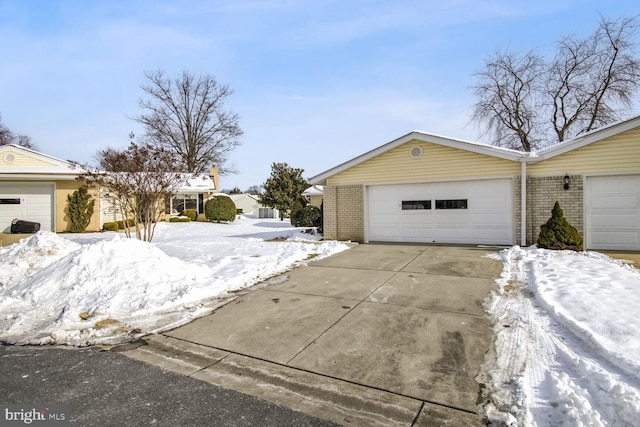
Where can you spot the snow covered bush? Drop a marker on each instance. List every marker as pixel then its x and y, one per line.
pixel 220 208
pixel 557 233
pixel 79 209
pixel 191 213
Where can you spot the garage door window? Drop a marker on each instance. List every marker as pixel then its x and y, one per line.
pixel 451 204
pixel 409 205
pixel 9 201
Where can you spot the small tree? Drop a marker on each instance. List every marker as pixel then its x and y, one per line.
pixel 79 209
pixel 283 187
pixel 139 179
pixel 220 208
pixel 557 233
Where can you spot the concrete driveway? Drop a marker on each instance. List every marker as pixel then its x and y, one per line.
pixel 377 335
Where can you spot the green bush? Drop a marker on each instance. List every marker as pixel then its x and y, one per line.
pixel 179 219
pixel 220 208
pixel 296 208
pixel 79 209
pixel 191 213
pixel 557 233
pixel 309 216
pixel 129 221
pixel 110 226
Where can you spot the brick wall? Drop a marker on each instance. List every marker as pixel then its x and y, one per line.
pixel 344 212
pixel 542 193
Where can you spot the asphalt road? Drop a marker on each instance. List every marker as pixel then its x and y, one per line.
pixel 104 388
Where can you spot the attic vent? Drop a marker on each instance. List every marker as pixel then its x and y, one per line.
pixel 415 152
pixel 9 158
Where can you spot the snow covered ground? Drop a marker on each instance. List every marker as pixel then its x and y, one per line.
pixel 567 330
pixel 566 324
pixel 102 288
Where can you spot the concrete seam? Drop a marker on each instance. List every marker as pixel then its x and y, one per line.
pixel 336 378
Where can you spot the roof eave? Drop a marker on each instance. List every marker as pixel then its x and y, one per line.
pixel 503 153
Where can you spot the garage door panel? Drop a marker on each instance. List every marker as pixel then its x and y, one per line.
pixel 617 201
pixel 488 217
pixel 613 212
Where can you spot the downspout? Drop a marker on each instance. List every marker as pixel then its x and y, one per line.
pixel 523 203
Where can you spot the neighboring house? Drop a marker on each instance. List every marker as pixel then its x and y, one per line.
pixel 432 189
pixel 250 204
pixel 34 187
pixel 314 195
pixel 194 193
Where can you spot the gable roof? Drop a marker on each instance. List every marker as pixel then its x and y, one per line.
pixel 486 149
pixel 474 147
pixel 584 139
pixel 44 166
pixel 236 197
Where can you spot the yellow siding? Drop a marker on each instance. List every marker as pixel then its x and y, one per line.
pixel 619 153
pixel 436 163
pixel 22 160
pixel 65 188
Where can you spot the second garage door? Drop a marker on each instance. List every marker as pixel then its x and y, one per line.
pixel 474 212
pixel 613 212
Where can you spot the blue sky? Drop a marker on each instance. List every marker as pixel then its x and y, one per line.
pixel 316 82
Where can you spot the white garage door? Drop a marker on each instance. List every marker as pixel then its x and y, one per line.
pixel 613 212
pixel 26 201
pixel 478 212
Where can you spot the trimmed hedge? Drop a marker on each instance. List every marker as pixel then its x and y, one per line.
pixel 121 223
pixel 191 213
pixel 179 219
pixel 110 226
pixel 220 208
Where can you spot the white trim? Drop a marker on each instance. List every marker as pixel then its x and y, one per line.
pixel 523 205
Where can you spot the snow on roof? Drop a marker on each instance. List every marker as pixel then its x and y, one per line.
pixel 314 190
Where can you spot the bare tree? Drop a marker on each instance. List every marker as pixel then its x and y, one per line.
pixel 591 80
pixel 525 102
pixel 7 137
pixel 186 116
pixel 255 190
pixel 139 180
pixel 507 99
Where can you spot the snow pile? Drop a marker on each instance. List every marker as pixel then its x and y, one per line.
pixel 104 288
pixel 567 341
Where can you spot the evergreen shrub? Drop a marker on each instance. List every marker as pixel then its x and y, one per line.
pixel 79 209
pixel 557 233
pixel 309 216
pixel 220 208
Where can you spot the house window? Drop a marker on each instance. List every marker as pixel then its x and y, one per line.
pixel 409 205
pixel 451 204
pixel 9 201
pixel 181 202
